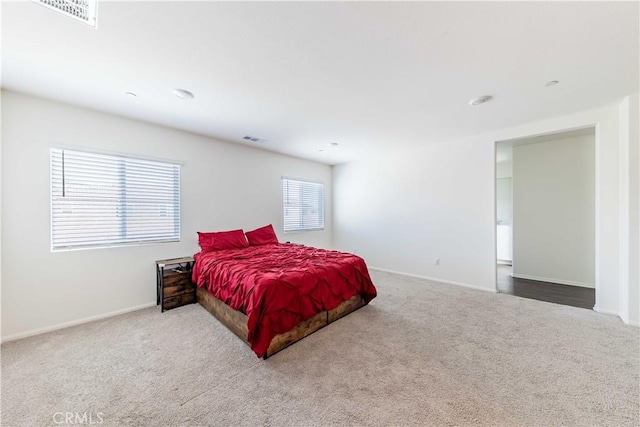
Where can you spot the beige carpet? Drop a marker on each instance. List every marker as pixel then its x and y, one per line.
pixel 422 353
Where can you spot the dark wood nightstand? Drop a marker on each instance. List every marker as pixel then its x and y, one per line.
pixel 174 287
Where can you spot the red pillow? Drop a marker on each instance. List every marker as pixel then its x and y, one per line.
pixel 222 240
pixel 262 236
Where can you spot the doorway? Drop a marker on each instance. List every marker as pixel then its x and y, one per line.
pixel 545 217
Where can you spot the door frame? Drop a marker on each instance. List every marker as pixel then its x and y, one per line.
pixel 597 230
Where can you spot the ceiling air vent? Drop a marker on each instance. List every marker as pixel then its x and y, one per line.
pixel 254 139
pixel 82 10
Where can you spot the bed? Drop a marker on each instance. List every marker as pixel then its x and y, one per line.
pixel 272 295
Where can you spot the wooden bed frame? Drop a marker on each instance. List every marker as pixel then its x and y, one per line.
pixel 236 321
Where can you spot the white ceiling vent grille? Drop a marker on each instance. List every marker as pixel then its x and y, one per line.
pixel 254 139
pixel 82 10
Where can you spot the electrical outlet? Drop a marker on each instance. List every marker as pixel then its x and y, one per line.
pixel 436 261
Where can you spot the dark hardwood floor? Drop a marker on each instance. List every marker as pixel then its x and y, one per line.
pixel 575 296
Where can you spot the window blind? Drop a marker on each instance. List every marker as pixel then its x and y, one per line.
pixel 100 200
pixel 303 205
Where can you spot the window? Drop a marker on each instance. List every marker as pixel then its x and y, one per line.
pixel 100 200
pixel 303 205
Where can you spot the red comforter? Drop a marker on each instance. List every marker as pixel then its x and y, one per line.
pixel 280 285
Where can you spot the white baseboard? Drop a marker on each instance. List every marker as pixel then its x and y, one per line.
pixel 550 280
pixel 434 279
pixel 607 311
pixel 634 323
pixel 46 329
pixel 627 321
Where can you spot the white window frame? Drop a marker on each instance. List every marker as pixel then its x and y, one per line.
pixel 305 191
pixel 133 179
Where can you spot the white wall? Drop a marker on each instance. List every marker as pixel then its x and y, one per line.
pixel 504 203
pixel 634 210
pixel 554 211
pixel 504 215
pixel 503 169
pixel 223 185
pixel 404 208
pixel 630 209
pixel 0 214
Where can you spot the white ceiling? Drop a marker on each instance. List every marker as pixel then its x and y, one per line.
pixel 369 76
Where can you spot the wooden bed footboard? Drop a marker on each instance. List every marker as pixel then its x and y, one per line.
pixel 236 321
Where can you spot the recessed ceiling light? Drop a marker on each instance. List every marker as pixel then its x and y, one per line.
pixel 183 94
pixel 333 144
pixel 552 83
pixel 130 94
pixel 321 150
pixel 480 100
